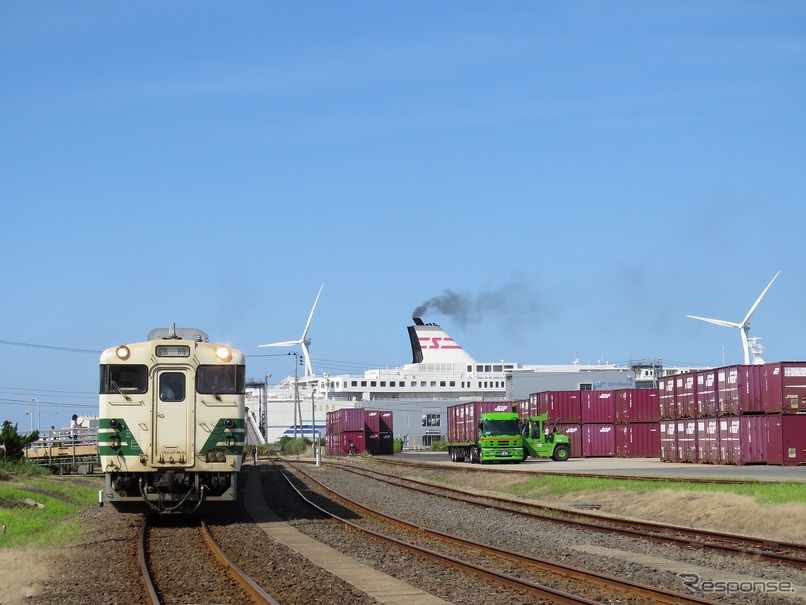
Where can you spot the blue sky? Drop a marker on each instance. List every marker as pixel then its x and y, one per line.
pixel 581 174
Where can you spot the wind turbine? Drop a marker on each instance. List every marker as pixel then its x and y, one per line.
pixel 744 327
pixel 303 342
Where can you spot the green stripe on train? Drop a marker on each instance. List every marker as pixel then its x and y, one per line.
pixel 118 440
pixel 230 439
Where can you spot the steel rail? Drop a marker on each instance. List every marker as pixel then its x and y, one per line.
pixel 783 553
pixel 657 595
pixel 148 580
pixel 256 593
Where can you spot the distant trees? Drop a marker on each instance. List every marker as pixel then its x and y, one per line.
pixel 12 443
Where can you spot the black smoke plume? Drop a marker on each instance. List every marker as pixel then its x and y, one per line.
pixel 515 302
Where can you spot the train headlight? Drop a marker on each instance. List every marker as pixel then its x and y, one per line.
pixel 216 456
pixel 223 353
pixel 122 352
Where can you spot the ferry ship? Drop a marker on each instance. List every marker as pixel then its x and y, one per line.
pixel 440 374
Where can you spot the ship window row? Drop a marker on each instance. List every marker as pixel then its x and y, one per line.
pixel 401 384
pixel 491 367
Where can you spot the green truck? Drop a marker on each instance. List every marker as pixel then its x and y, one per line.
pixel 491 431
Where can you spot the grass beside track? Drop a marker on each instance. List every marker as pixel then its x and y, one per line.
pixel 37 508
pixel 762 491
pixel 548 487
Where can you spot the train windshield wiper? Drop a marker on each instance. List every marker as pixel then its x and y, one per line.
pixel 209 388
pixel 119 390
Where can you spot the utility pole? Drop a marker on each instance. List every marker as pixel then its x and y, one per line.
pixel 296 389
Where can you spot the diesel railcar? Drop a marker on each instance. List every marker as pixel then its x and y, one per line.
pixel 171 422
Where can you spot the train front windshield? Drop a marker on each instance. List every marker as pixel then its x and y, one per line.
pixel 128 378
pixel 221 380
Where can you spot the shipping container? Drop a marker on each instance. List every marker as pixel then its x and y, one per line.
pixel 598 440
pixel 753 438
pixel 638 440
pixel 387 443
pixel 346 419
pixel 352 443
pixel 707 400
pixel 598 407
pixel 637 405
pixel 739 390
pixel 574 433
pixel 668 440
pixel 685 395
pixel 730 445
pixel 463 418
pixel 561 406
pixel 785 387
pixel 708 440
pixel 372 441
pixel 793 439
pixel 686 433
pixel 667 406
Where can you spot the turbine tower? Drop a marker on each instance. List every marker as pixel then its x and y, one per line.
pixel 303 342
pixel 744 327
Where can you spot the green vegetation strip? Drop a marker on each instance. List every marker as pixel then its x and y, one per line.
pixel 763 492
pixel 38 509
pixel 551 487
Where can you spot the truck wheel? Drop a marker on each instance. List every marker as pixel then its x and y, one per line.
pixel 561 453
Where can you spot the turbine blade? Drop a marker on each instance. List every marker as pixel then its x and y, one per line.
pixel 719 322
pixel 310 317
pixel 758 300
pixel 287 343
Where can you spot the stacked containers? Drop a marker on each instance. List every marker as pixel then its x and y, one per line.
pixel 598 411
pixel 637 432
pixel 564 411
pixel 359 431
pixel 739 414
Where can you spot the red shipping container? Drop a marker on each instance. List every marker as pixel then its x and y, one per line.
pixel 730 445
pixel 561 406
pixel 667 406
pixel 708 440
pixel 372 421
pixel 637 405
pixel 793 439
pixel 598 440
pixel 753 438
pixel 668 440
pixel 463 418
pixel 739 390
pixel 598 407
pixel 686 433
pixel 707 400
pixel 372 442
pixel 785 387
pixel 352 442
pixel 387 421
pixel 349 419
pixel 638 440
pixel 685 395
pixel 574 433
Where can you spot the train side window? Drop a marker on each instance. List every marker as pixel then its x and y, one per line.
pixel 172 386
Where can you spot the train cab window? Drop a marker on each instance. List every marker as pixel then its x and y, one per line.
pixel 172 386
pixel 221 380
pixel 124 379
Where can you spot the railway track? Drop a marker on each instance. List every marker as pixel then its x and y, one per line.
pixel 569 584
pixel 780 553
pixel 169 578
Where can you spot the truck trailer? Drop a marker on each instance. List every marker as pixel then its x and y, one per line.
pixel 491 431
